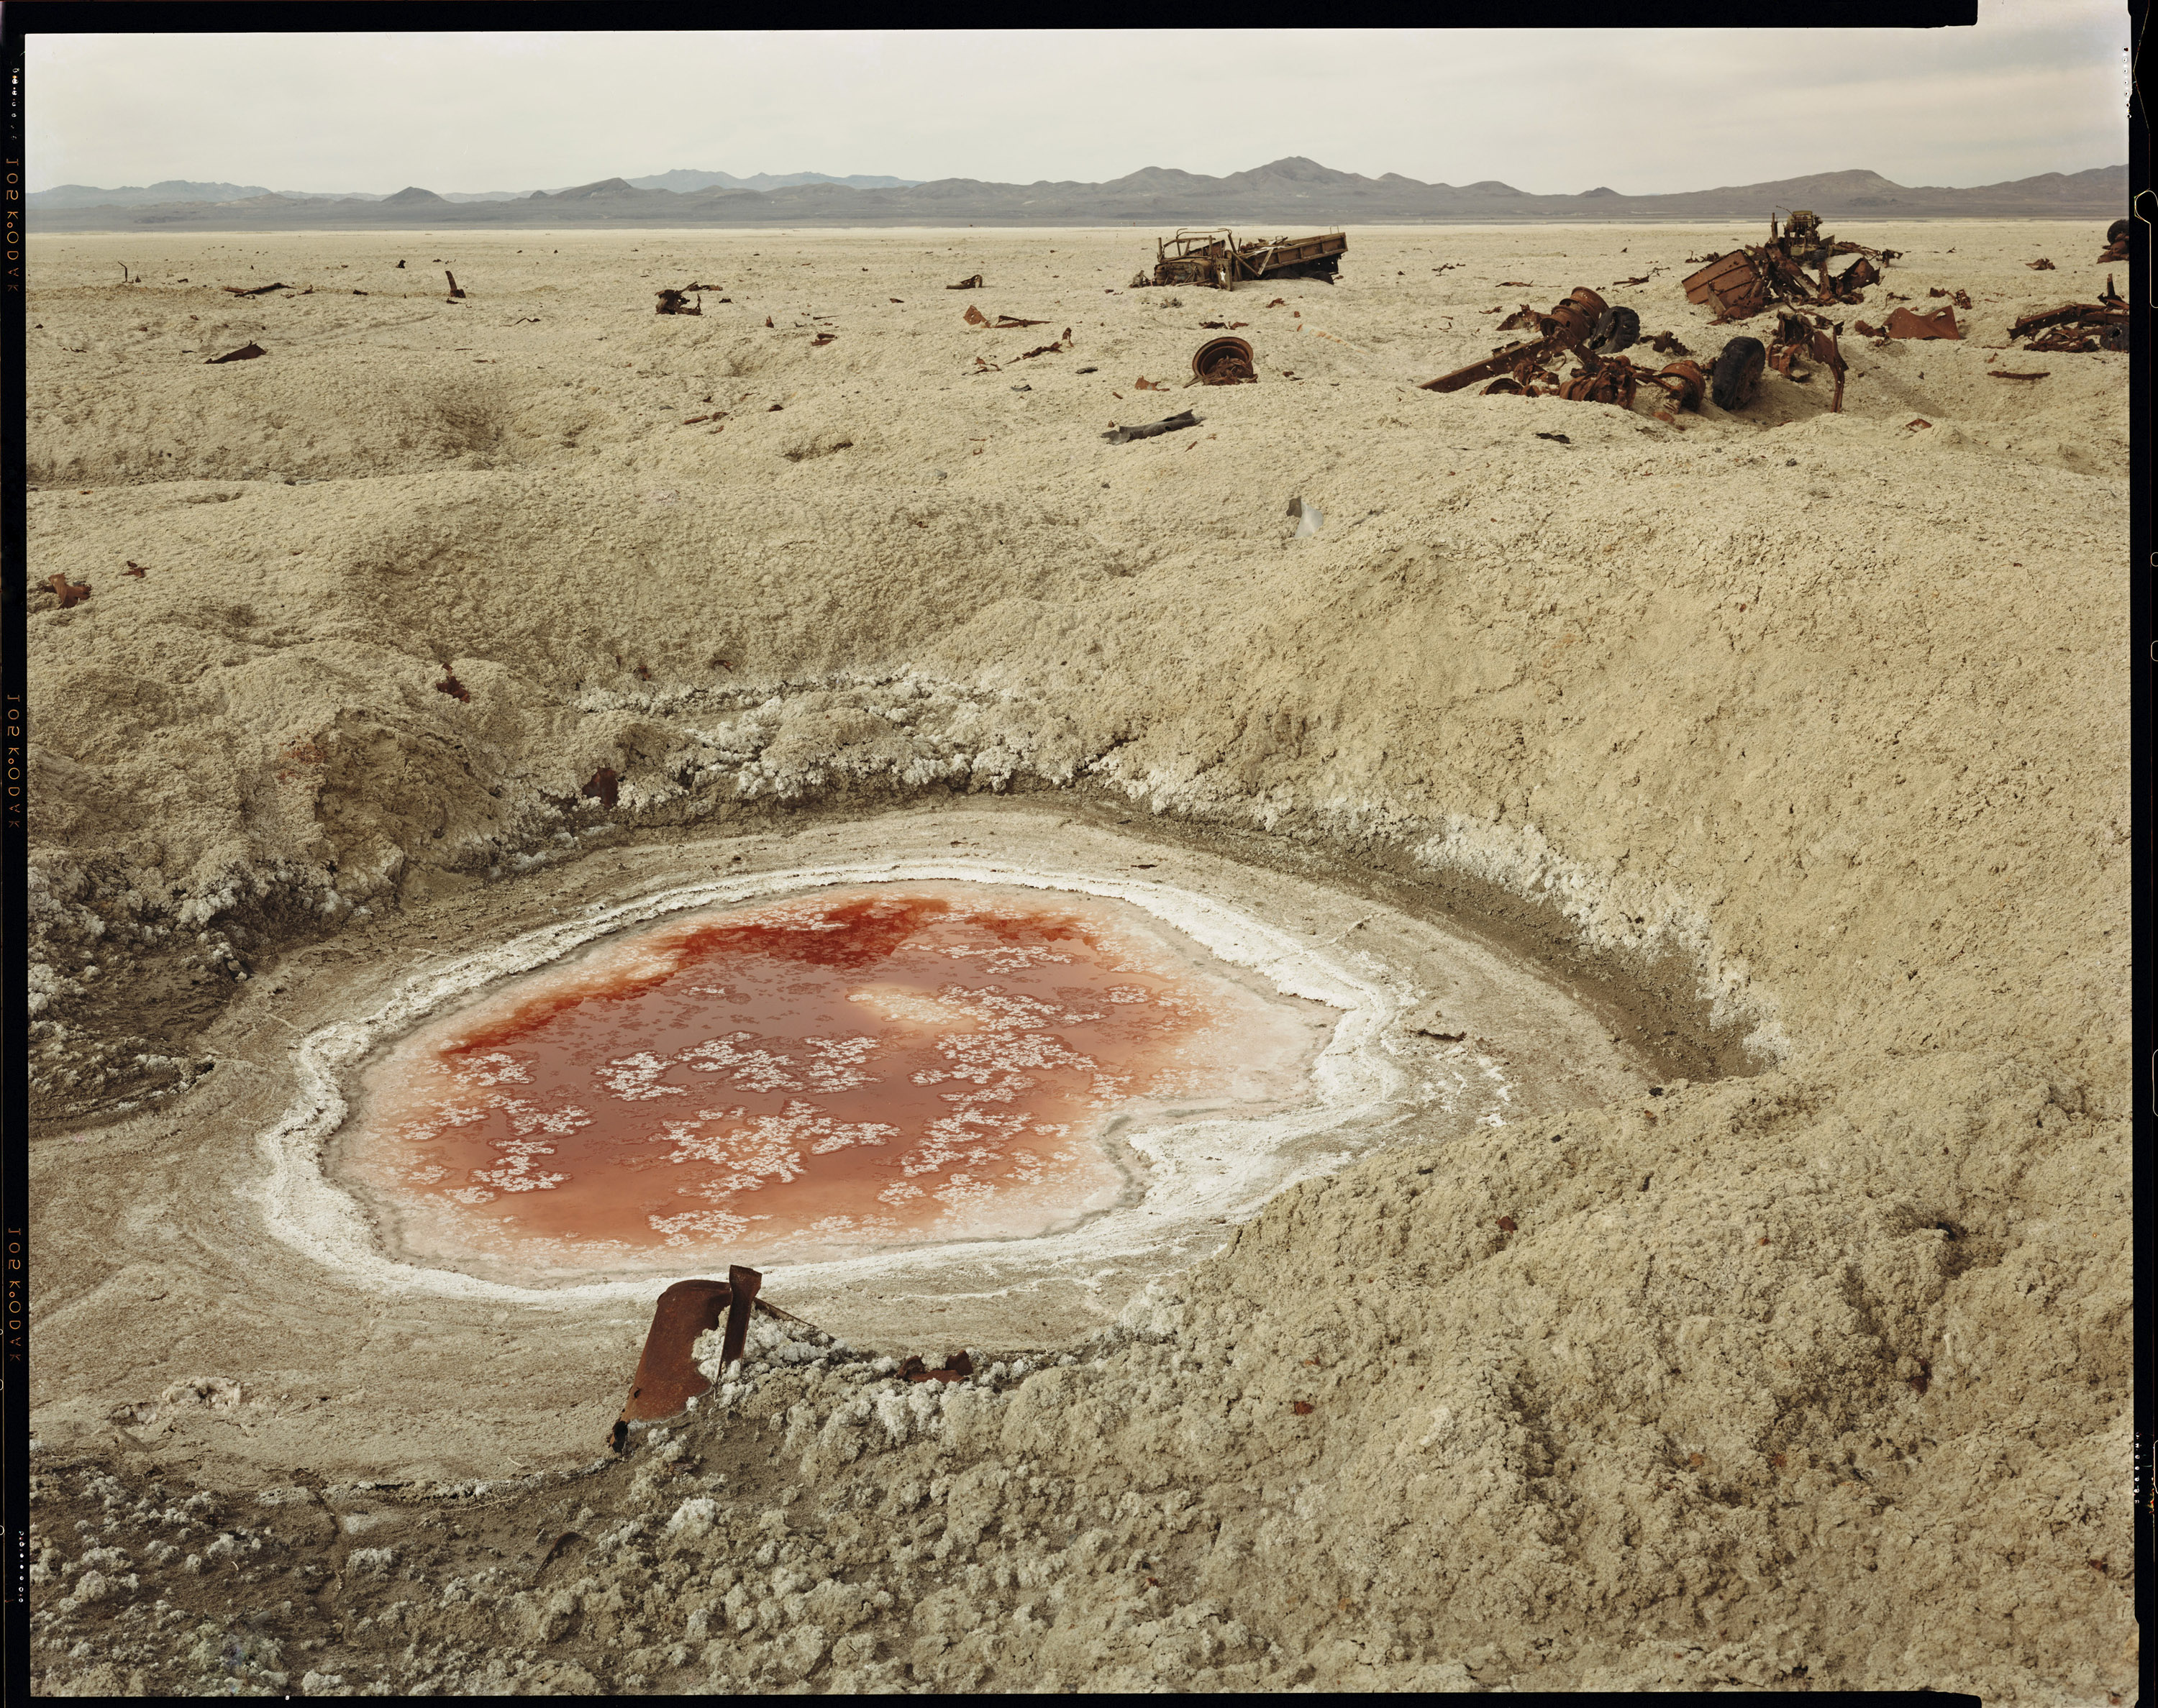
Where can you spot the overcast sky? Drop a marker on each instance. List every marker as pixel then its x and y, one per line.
pixel 2038 85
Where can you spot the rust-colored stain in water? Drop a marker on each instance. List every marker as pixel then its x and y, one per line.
pixel 864 1069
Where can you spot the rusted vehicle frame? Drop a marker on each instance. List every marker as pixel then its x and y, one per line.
pixel 1212 255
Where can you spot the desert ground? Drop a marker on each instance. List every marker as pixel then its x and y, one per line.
pixel 1774 1335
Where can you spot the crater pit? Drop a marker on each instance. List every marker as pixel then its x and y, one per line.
pixel 996 1067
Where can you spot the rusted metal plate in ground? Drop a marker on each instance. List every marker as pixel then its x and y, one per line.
pixel 666 1376
pixel 1941 323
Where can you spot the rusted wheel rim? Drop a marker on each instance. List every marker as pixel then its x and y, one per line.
pixel 1216 353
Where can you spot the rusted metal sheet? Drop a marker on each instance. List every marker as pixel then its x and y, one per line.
pixel 1732 283
pixel 667 1378
pixel 677 302
pixel 1172 424
pixel 246 352
pixel 1941 323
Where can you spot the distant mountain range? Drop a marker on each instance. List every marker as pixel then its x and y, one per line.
pixel 1293 191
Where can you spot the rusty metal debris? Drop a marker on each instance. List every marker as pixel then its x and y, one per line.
pixel 2004 373
pixel 2116 243
pixel 135 569
pixel 1667 345
pixel 822 338
pixel 1172 424
pixel 973 284
pixel 1573 329
pixel 1213 255
pixel 1743 283
pixel 1799 337
pixel 258 290
pixel 246 352
pixel 1906 323
pixel 2077 327
pixel 1961 298
pixel 667 1378
pixel 1224 361
pixel 604 786
pixel 70 592
pixel 677 302
pixel 2040 266
pixel 454 291
pixel 1566 328
pixel 450 685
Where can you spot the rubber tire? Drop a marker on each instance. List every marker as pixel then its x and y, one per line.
pixel 1619 329
pixel 1737 373
pixel 2116 231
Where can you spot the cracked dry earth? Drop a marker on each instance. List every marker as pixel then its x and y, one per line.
pixel 1811 1372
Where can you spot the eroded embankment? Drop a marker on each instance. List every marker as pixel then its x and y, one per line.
pixel 1822 1368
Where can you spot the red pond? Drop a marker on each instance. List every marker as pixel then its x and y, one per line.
pixel 860 1070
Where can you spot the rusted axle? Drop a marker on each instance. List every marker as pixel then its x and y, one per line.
pixel 1566 328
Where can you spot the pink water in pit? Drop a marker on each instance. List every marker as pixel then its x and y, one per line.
pixel 862 1069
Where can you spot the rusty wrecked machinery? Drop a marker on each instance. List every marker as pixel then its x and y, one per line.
pixel 2077 327
pixel 1213 256
pixel 1590 332
pixel 1740 285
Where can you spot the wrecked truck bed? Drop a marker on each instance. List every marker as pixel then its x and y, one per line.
pixel 1214 256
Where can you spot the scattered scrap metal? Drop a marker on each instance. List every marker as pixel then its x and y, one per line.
pixel 1802 337
pixel 235 290
pixel 2116 243
pixel 1172 423
pixel 450 685
pixel 604 786
pixel 1003 323
pixel 678 303
pixel 2077 327
pixel 1212 255
pixel 1743 283
pixel 973 284
pixel 70 592
pixel 454 291
pixel 246 352
pixel 2040 266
